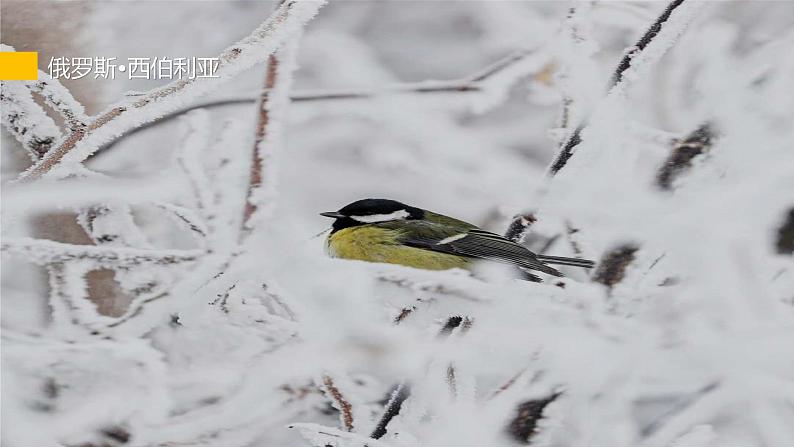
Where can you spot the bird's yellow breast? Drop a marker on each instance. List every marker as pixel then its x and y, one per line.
pixel 373 244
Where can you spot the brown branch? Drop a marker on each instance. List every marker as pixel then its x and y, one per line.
pixel 345 408
pixel 684 152
pixel 232 61
pixel 785 235
pixel 255 179
pixel 510 382
pixel 404 312
pixel 612 268
pixel 59 99
pixel 524 424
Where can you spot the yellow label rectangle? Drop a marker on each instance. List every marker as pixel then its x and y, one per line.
pixel 19 66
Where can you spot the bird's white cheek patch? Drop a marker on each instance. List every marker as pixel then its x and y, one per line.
pixel 451 239
pixel 401 214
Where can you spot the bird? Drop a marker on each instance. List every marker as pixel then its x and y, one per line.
pixel 389 231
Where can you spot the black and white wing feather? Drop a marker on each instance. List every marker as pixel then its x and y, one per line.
pixel 476 243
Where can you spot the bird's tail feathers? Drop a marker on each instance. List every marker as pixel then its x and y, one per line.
pixel 541 267
pixel 561 260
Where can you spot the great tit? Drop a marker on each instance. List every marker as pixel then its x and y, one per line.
pixel 381 230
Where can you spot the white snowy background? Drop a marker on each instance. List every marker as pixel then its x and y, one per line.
pixel 230 333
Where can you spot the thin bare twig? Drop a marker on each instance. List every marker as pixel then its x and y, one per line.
pixel 505 386
pixel 187 218
pixel 570 230
pixel 652 427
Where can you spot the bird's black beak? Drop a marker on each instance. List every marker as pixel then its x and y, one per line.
pixel 332 215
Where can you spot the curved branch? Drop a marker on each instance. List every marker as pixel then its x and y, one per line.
pixel 476 83
pixel 265 39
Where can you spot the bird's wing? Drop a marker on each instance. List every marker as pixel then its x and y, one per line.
pixel 474 243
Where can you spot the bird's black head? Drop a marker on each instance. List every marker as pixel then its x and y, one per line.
pixel 366 211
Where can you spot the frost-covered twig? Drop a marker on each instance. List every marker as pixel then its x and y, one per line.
pixel 255 175
pixel 47 252
pixel 67 287
pixel 339 402
pixel 128 114
pixel 425 287
pixel 113 226
pixel 273 104
pixel 320 435
pixel 634 60
pixel 189 155
pixel 136 308
pixel 187 218
pixel 641 44
pixel 58 97
pixel 398 396
pixel 679 407
pixel 570 231
pixel 504 70
pixel 519 226
pixel 684 152
pixel 26 120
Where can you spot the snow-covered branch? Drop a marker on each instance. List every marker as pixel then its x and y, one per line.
pixel 26 120
pixel 268 136
pixel 662 35
pixel 339 402
pixel 48 252
pixel 128 114
pixel 679 337
pixel 60 99
pixel 492 81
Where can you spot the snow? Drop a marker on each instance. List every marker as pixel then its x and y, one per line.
pixel 262 340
